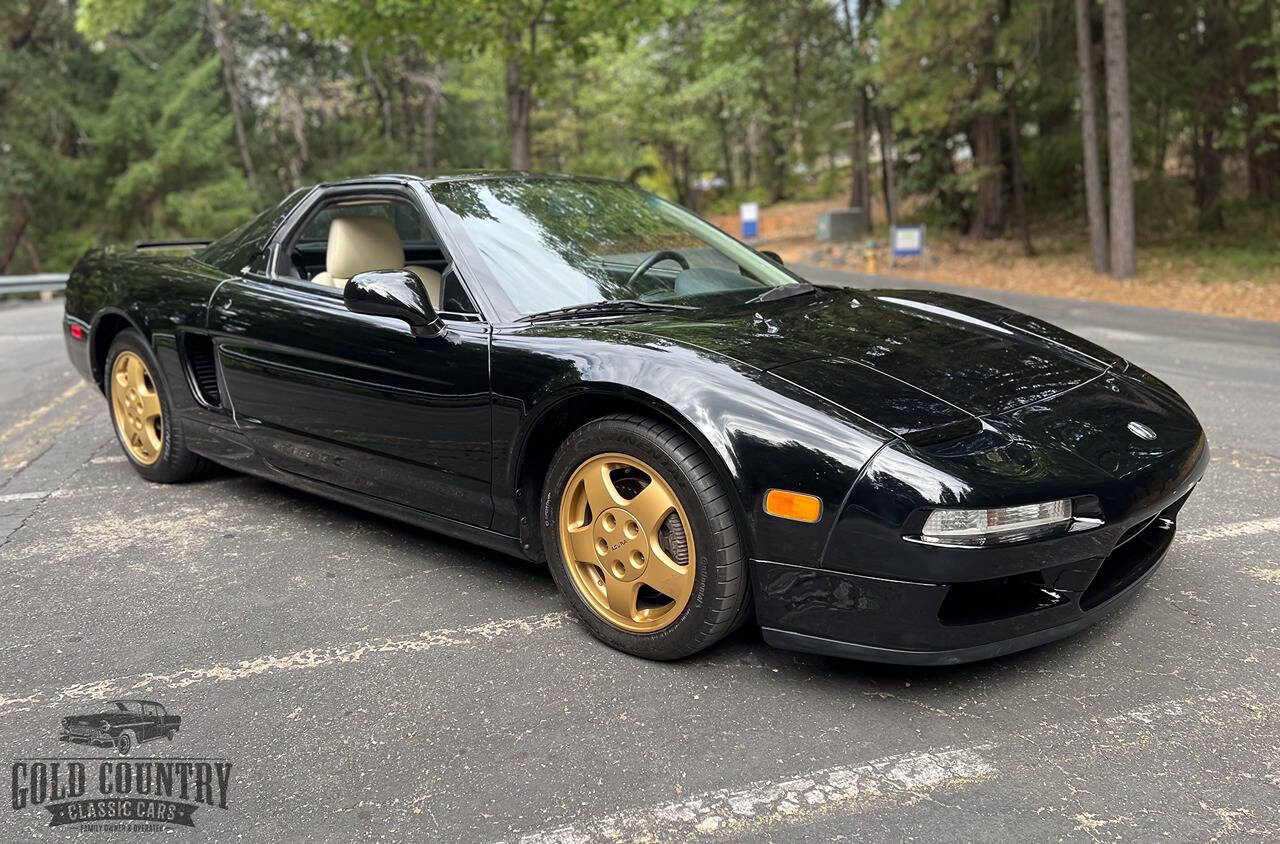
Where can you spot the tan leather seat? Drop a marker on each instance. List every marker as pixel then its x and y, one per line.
pixel 360 244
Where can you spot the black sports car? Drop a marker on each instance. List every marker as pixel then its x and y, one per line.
pixel 576 371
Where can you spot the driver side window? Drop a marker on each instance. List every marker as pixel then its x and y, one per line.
pixel 350 235
pixel 309 249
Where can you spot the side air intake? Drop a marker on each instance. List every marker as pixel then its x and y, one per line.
pixel 204 371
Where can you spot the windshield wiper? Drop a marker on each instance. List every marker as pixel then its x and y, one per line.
pixel 606 308
pixel 786 291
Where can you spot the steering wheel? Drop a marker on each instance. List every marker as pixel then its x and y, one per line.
pixel 662 255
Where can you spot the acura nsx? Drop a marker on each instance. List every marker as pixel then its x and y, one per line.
pixel 688 433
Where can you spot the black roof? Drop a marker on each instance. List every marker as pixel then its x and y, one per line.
pixel 461 176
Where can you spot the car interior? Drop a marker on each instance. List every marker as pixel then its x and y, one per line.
pixel 343 239
pixel 361 244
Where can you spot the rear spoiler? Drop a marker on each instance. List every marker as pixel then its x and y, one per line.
pixel 150 245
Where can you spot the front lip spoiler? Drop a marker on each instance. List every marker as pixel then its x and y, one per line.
pixel 806 643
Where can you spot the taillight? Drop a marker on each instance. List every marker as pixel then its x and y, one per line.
pixel 77 331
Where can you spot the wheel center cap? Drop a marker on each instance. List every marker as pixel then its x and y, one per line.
pixel 621 544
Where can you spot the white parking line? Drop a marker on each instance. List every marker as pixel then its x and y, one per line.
pixel 1229 531
pixel 904 779
pixel 25 496
pixel 907 774
pixel 298 660
pixel 1269 575
pixel 36 415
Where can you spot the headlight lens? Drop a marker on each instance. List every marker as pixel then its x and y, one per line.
pixel 998 524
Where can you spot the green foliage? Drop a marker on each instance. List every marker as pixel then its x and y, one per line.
pixel 163 139
pixel 116 120
pixel 100 18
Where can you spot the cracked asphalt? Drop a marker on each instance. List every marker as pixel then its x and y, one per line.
pixel 373 681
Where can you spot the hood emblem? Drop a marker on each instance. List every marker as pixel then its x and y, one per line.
pixel 1141 431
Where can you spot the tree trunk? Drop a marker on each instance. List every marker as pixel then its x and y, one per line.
pixel 1019 191
pixel 1124 261
pixel 295 113
pixel 777 166
pixel 888 175
pixel 1262 142
pixel 519 103
pixel 1264 171
pixel 860 142
pixel 384 103
pixel 33 255
pixel 1095 204
pixel 860 154
pixel 432 88
pixel 19 229
pixel 1161 152
pixel 677 160
pixel 797 123
pixel 726 144
pixel 1207 179
pixel 989 220
pixel 691 200
pixel 228 60
pixel 408 115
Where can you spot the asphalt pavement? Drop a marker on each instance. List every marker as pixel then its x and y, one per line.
pixel 376 682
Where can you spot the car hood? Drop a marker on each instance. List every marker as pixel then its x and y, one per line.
pixel 908 360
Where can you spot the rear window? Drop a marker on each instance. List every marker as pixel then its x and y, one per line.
pixel 234 250
pixel 408 222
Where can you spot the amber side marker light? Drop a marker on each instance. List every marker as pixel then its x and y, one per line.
pixel 793 505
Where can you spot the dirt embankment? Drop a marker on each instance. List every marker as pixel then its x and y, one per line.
pixel 788 228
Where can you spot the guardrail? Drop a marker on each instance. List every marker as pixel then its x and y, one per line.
pixel 32 283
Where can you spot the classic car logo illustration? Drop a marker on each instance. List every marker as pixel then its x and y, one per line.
pixel 1141 431
pixel 123 725
pixel 110 795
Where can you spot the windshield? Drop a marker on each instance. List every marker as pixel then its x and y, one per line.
pixel 128 705
pixel 557 243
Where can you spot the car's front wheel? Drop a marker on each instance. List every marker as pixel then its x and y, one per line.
pixel 124 743
pixel 642 539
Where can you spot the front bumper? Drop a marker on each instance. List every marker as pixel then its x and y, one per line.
pixel 1056 592
pixel 97 740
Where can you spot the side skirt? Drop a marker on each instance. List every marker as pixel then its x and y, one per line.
pixel 229 448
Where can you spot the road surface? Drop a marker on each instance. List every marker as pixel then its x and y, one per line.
pixel 373 681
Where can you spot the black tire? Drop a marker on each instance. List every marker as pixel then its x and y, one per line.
pixel 720 601
pixel 124 743
pixel 176 462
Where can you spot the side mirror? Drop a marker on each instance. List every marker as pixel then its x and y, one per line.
pixel 393 293
pixel 772 256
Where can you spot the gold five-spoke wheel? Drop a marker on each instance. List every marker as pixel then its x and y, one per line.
pixel 136 406
pixel 628 542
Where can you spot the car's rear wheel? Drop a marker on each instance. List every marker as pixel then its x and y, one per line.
pixel 642 540
pixel 142 413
